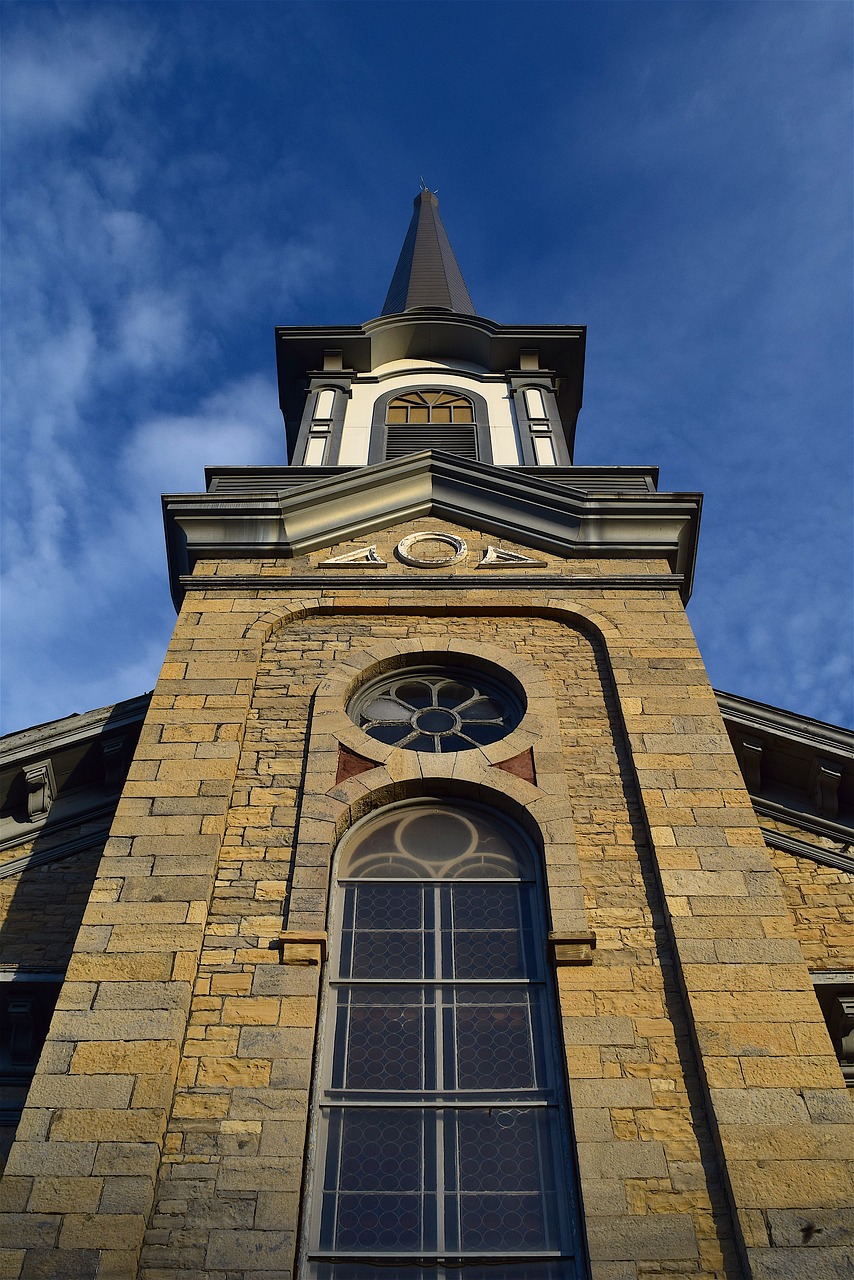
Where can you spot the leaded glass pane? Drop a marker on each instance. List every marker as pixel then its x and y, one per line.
pixel 374 1192
pixel 493 1039
pixel 440 1147
pixel 384 931
pixel 435 842
pixel 505 1192
pixel 384 1039
pixel 531 1269
pixel 491 931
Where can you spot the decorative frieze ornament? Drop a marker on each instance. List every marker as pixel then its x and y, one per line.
pixel 434 549
pixel 431 550
pixel 500 558
pixel 357 559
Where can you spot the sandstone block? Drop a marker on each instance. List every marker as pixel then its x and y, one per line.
pixel 658 1238
pixel 98 1056
pixel 231 1071
pixel 60 1195
pixel 14 1193
pixel 166 888
pixel 795 1072
pixel 801 1264
pixel 612 1093
pixel 29 1230
pixel 53 1264
pixel 598 1031
pixel 159 1024
pixel 71 1159
pixel 276 1042
pixel 127 1195
pixel 11 1262
pixel 127 1159
pixel 107 1126
pixel 277 1211
pixel 101 1231
pixel 791 1184
pixel 624 1159
pixel 260 1173
pixel 829 1106
pixel 119 968
pixel 250 1010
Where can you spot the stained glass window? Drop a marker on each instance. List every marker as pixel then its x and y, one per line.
pixel 442 1142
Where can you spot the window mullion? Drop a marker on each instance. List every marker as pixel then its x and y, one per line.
pixel 442 963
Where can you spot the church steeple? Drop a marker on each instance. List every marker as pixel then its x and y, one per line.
pixel 427 273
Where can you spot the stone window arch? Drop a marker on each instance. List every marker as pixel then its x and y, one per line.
pixel 441 1135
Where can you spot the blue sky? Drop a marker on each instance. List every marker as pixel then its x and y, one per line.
pixel 180 177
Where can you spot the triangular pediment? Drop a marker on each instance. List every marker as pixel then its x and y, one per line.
pixel 519 511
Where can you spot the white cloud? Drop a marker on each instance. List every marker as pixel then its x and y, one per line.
pixel 153 329
pixel 53 74
pixel 110 580
pixel 239 424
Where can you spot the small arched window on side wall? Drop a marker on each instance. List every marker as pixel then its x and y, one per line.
pixel 411 420
pixel 442 1142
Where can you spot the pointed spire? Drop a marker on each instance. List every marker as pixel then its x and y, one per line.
pixel 427 274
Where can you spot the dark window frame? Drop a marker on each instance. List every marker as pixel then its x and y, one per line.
pixel 546 1099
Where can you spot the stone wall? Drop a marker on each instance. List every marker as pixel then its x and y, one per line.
pixel 171 1100
pixel 821 902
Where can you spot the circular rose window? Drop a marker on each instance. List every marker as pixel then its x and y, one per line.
pixel 436 709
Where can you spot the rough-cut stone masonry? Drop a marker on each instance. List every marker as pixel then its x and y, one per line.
pixel 180 1057
pixel 821 902
pixel 628 1054
pixel 41 907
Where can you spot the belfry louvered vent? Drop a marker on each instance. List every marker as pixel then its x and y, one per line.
pixel 419 420
pixel 407 439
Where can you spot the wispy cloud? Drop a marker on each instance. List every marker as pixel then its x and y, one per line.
pixel 53 74
pixel 115 384
pixel 180 178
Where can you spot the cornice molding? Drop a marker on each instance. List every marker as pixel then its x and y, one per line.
pixel 801 849
pixel 377 579
pixel 759 717
pixel 797 770
pixel 71 731
pixel 805 821
pixel 66 850
pixel 527 509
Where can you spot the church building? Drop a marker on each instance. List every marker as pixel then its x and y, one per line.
pixel 433 918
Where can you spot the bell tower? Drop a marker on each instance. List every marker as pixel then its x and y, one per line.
pixel 436 936
pixel 427 368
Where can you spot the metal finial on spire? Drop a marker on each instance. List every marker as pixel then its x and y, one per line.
pixel 427 273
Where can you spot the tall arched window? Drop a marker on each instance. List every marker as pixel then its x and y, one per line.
pixel 442 1140
pixel 419 420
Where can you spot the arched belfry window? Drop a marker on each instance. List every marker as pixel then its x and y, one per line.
pixel 442 1142
pixel 430 420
